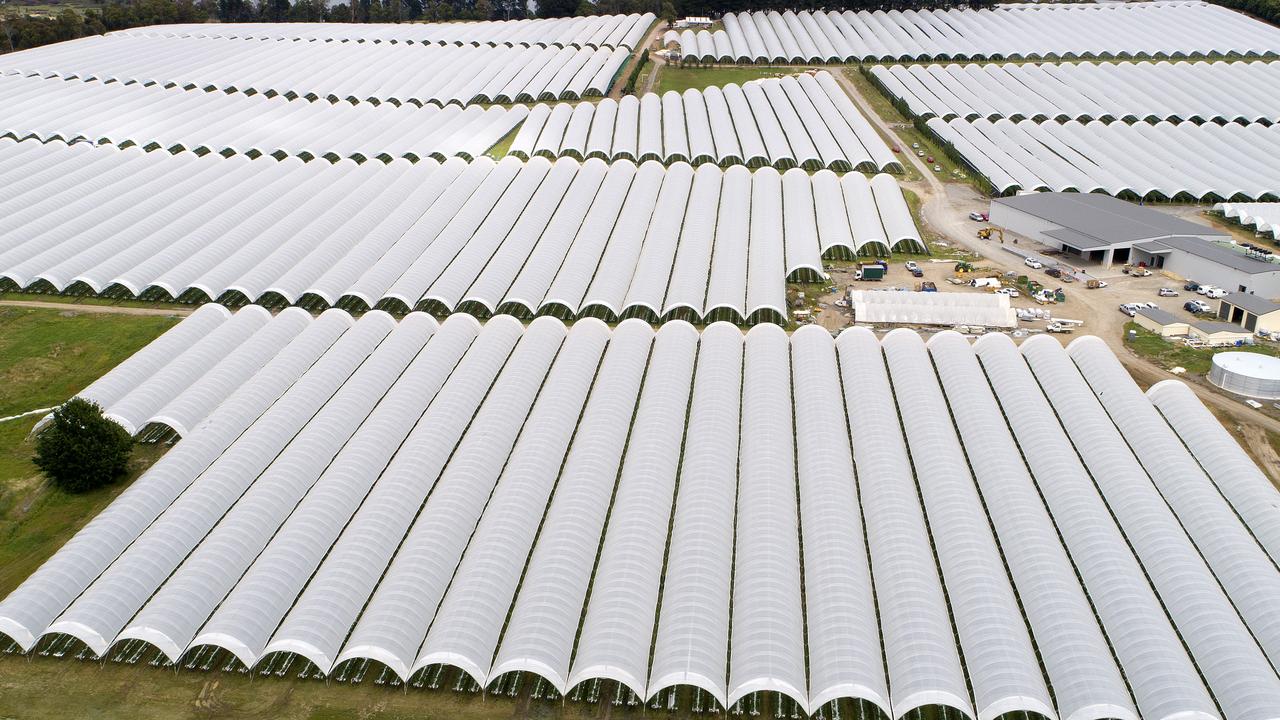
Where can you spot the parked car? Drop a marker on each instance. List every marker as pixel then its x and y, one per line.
pixel 912 266
pixel 1196 306
pixel 1011 292
pixel 1053 272
pixel 1167 292
pixel 1191 285
pixel 977 216
pixel 1033 263
pixel 1129 309
pixel 1216 293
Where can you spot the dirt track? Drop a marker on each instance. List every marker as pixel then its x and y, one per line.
pixel 101 309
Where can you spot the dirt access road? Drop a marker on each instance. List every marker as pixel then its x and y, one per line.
pixel 945 208
pixel 99 309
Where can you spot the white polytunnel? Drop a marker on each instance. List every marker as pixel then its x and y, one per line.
pixel 1262 217
pixel 171 118
pixel 1240 564
pixel 807 120
pixel 544 619
pixel 542 236
pixel 1198 91
pixel 998 654
pixel 921 656
pixel 768 629
pixel 144 402
pixel 307 70
pixel 595 31
pixel 1199 598
pixel 693 620
pixel 1011 30
pixel 617 624
pixel 683 509
pixel 1239 480
pixel 1094 156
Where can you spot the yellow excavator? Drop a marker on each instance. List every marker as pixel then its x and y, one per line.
pixel 986 232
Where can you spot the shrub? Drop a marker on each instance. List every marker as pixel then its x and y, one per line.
pixel 81 450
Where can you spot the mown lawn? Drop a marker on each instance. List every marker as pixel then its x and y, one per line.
pixel 47 356
pixel 1168 355
pixel 49 687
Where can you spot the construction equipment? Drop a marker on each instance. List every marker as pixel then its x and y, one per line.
pixel 986 233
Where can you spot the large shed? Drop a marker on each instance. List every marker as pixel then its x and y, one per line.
pixel 1250 311
pixel 1095 227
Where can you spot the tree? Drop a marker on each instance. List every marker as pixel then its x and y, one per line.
pixel 668 10
pixel 557 8
pixel 82 450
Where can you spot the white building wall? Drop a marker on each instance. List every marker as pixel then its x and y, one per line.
pixel 1204 271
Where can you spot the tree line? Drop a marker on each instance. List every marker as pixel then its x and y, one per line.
pixel 1268 10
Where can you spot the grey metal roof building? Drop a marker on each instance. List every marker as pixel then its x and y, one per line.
pixel 1108 230
pixel 1102 219
pixel 1163 317
pixel 398 492
pixel 1211 263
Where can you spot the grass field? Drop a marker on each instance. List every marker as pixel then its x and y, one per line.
pixel 683 78
pixel 503 146
pixel 1169 355
pixel 47 356
pixel 908 132
pixel 61 687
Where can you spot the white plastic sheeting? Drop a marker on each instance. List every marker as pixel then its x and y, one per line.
pixel 172 118
pixel 1074 651
pixel 1161 161
pixel 62 578
pixel 719 125
pixel 1241 565
pixel 479 496
pixel 460 75
pixel 1164 680
pixel 932 308
pixel 1239 480
pixel 1212 607
pixel 1264 218
pixel 595 32
pixel 1200 91
pixel 1013 31
pixel 541 237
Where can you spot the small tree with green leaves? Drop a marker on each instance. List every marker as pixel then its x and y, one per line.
pixel 668 11
pixel 81 450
